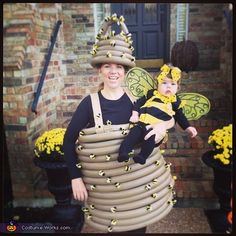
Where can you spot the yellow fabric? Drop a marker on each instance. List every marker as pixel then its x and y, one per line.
pixel 149 119
pixel 165 70
pixel 165 106
pixel 163 98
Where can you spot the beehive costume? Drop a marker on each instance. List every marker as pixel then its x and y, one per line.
pixel 153 108
pixel 121 196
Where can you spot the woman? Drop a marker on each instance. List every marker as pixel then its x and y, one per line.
pixel 116 107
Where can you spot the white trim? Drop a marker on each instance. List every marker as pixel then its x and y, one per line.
pixel 99 14
pixel 182 22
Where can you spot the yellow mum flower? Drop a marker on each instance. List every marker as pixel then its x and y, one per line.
pixel 221 139
pixel 48 146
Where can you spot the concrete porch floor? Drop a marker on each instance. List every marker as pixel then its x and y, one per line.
pixel 179 220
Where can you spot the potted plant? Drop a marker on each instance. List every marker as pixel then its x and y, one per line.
pixel 221 140
pixel 48 147
pixel 220 159
pixel 49 155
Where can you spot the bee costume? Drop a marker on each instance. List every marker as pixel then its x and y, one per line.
pixel 122 196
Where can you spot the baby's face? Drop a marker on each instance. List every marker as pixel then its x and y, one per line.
pixel 168 87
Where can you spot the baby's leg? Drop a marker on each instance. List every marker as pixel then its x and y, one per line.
pixel 146 149
pixel 134 137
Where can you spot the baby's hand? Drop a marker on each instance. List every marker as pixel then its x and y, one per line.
pixel 134 118
pixel 192 131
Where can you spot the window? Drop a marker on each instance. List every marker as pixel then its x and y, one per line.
pixel 99 15
pixel 182 22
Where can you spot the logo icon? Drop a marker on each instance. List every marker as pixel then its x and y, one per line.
pixel 11 227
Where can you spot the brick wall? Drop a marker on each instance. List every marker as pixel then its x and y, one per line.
pixel 27 32
pixel 80 79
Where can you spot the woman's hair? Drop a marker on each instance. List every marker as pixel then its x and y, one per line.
pixel 98 66
pixel 100 86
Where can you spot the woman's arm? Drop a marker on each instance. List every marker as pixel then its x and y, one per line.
pixel 79 120
pixel 159 130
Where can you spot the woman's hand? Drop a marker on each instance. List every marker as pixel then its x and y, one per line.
pixel 135 117
pixel 79 190
pixel 159 130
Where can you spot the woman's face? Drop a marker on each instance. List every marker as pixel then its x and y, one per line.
pixel 112 75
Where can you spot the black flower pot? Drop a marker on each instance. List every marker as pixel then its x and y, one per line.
pixel 222 187
pixel 222 179
pixel 59 184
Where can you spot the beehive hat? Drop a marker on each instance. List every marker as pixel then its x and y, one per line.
pixel 111 48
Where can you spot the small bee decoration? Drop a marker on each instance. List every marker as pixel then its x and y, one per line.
pixel 92 156
pixel 113 43
pixel 148 207
pixel 127 168
pixel 148 187
pixel 113 222
pixel 92 206
pixel 93 187
pixel 130 154
pixel 101 173
pixel 98 36
pixel 107 18
pixel 93 52
pixel 170 186
pixel 109 122
pixel 132 59
pixel 121 19
pixel 89 216
pixel 80 147
pixel 81 133
pixel 157 163
pixel 167 165
pixel 114 17
pixel 108 54
pixel 155 180
pixel 79 165
pixel 124 132
pixel 154 195
pixel 131 47
pixel 173 201
pixel 108 157
pixel 101 31
pixel 174 177
pixel 108 180
pixel 122 33
pixel 109 229
pixel 113 209
pixel 117 185
pixel 85 209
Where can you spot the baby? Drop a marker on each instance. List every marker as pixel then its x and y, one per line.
pixel 157 106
